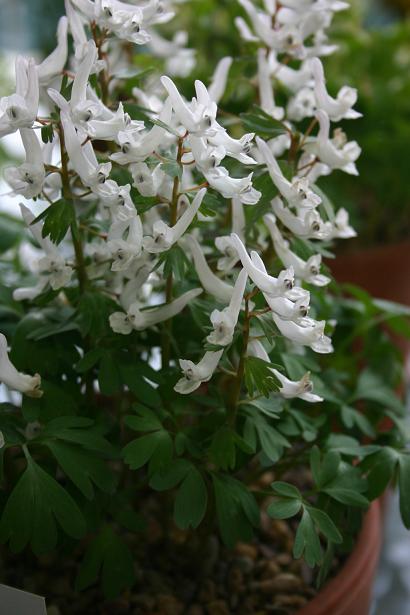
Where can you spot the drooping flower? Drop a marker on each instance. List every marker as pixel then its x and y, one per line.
pixel 336 153
pixel 303 388
pixel 20 109
pixel 140 319
pixel 196 117
pixel 179 60
pixel 125 240
pixel 53 65
pixel 338 108
pixel 225 244
pixel 282 286
pixel 218 82
pixel 163 236
pixel 15 380
pixel 28 178
pixel 341 227
pixel 230 187
pixel 297 193
pixel 195 374
pixel 211 283
pixel 308 271
pixel 267 99
pixel 147 182
pixel 307 224
pixel 310 333
pixel 225 321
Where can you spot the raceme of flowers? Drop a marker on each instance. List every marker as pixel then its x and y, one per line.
pixel 176 158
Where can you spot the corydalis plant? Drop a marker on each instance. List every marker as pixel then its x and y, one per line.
pixel 177 279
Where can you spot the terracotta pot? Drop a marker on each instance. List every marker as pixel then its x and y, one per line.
pixel 383 271
pixel 349 593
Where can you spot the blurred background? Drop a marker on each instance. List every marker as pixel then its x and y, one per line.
pixel 374 57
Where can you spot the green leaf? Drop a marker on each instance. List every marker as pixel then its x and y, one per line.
pixel 11 232
pixel 170 476
pixel 404 488
pixel 172 168
pixel 263 124
pixel 155 447
pixel 109 556
pixel 109 377
pixel 146 420
pixel 259 378
pixel 191 501
pixel 222 449
pixel 83 468
pixel 347 496
pixel 370 386
pixel 34 506
pixel 307 542
pixel 57 220
pixel 89 360
pixel 236 508
pixel 325 524
pixel 286 490
pixel 283 509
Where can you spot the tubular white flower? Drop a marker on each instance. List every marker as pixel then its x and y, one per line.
pixel 302 388
pixel 15 380
pixel 293 79
pixel 211 283
pixel 138 319
pixel 298 194
pixel 311 333
pixel 125 241
pixel 53 65
pixel 52 266
pixel 341 226
pixel 265 88
pixel 136 145
pixel 309 270
pixel 82 157
pixel 164 237
pixel 196 374
pixel 28 178
pixel 179 60
pixel 302 105
pixel 307 224
pixel 225 321
pixel 338 108
pixel 336 153
pixel 282 286
pixel 230 187
pixel 20 109
pixel 225 244
pixel 198 116
pixel 219 79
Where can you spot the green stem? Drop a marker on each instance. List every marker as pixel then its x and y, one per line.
pixel 237 387
pixel 166 338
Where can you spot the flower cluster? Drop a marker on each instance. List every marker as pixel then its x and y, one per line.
pixel 188 173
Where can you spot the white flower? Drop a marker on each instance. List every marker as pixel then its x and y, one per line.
pixel 302 105
pixel 341 226
pixel 211 283
pixel 196 117
pixel 80 108
pixel 196 374
pixel 225 244
pixel 224 322
pixel 117 198
pixel 293 79
pixel 310 333
pixel 111 123
pixel 136 145
pixel 147 182
pixel 125 241
pixel 28 178
pixel 139 319
pixel 282 286
pixel 53 65
pixel 307 224
pixel 235 148
pixel 20 109
pixel 336 153
pixel 83 158
pixel 267 101
pixel 336 108
pixel 309 270
pixel 2 440
pixel 256 349
pixel 297 193
pixel 302 388
pixel 15 380
pixel 230 187
pixel 218 82
pixel 164 237
pixel 179 60
pixel 52 266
